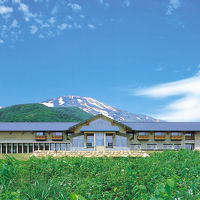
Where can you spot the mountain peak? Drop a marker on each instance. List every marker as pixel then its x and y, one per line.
pixel 95 107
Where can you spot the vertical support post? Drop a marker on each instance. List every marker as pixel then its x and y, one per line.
pixel 114 140
pixel 85 140
pixel 12 147
pixel 49 146
pixel 17 148
pixel 28 147
pixel 104 140
pixel 44 146
pixel 1 148
pixel 94 141
pixel 22 147
pixel 33 147
pixel 6 148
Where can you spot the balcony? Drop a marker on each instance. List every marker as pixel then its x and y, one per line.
pixel 143 137
pixel 189 137
pixel 160 137
pixel 41 138
pixel 176 138
pixel 57 137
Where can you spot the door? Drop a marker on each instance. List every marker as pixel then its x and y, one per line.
pixel 99 139
pixel 189 146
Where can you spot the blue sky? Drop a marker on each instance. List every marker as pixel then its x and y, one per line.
pixel 138 55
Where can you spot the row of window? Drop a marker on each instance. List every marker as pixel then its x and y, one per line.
pixel 165 146
pixel 100 140
pixel 29 148
pixel 163 134
pixel 53 133
pixel 139 133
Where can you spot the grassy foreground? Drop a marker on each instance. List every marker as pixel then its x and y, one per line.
pixel 167 175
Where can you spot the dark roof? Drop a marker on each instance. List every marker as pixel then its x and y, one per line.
pixel 36 126
pixel 164 126
pixel 63 126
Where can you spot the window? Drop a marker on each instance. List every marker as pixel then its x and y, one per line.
pixel 30 148
pixel 40 134
pixel 143 133
pixel 109 140
pixel 78 141
pixel 151 146
pixel 68 146
pixel 52 147
pixel 36 147
pixel 189 136
pixel 41 146
pixel 167 146
pixel 135 146
pixel 99 139
pixel 57 147
pixel 121 141
pixel 90 140
pixel 62 147
pixel 177 146
pixel 57 133
pixel 176 134
pixel 14 148
pixel 159 133
pixel 47 147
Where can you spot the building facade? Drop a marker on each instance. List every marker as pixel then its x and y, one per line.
pixel 99 133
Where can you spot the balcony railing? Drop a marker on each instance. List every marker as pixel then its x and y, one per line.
pixel 57 137
pixel 189 137
pixel 160 137
pixel 143 137
pixel 41 138
pixel 176 138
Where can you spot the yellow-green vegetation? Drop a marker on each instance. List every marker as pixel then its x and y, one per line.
pixel 20 156
pixel 163 176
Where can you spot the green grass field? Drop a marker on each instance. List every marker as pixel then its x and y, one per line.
pixel 169 175
pixel 19 156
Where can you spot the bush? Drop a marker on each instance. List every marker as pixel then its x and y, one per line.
pixel 167 175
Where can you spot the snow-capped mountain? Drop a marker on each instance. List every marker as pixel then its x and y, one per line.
pixel 95 107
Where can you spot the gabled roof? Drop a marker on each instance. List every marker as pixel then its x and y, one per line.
pixel 164 126
pixel 97 127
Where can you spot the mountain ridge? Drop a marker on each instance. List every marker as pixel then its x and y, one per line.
pixel 95 107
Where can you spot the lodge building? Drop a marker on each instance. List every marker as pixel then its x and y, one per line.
pixel 99 133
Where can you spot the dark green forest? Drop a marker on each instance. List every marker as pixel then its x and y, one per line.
pixel 42 113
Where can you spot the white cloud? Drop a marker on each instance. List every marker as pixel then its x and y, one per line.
pixel 34 29
pixel 52 20
pixel 82 16
pixel 91 26
pixel 106 4
pixel 14 24
pixel 127 3
pixel 159 69
pixel 23 7
pixel 62 26
pixel 173 5
pixel 78 26
pixel 1 41
pixel 5 10
pixel 75 6
pixel 187 105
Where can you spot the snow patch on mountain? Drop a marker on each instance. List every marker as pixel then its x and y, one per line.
pixel 95 107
